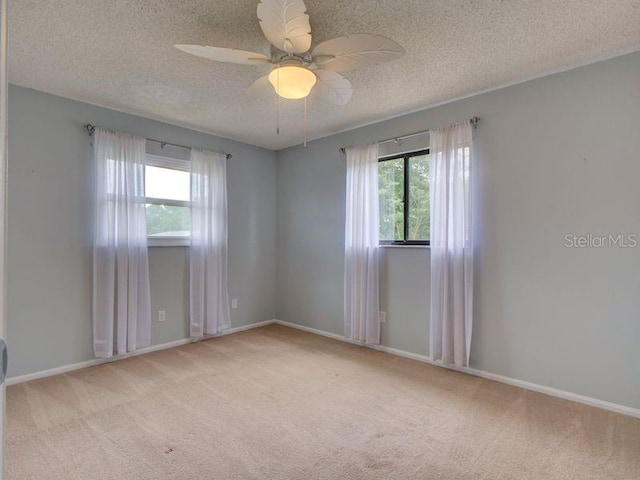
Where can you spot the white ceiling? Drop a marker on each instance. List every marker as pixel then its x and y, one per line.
pixel 120 54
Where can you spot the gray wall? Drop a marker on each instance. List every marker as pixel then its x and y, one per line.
pixel 555 156
pixel 49 244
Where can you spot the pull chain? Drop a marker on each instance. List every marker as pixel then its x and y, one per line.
pixel 278 104
pixel 305 123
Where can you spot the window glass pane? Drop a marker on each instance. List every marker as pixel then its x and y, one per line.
pixel 167 183
pixel 419 214
pixel 391 189
pixel 168 221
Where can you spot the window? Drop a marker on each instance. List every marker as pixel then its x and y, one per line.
pixel 168 204
pixel 404 199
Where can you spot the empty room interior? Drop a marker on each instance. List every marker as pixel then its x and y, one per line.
pixel 287 239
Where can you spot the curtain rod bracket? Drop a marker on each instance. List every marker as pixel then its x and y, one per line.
pixel 473 121
pixel 92 128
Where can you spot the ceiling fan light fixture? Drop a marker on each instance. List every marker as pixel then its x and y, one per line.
pixel 285 23
pixel 292 82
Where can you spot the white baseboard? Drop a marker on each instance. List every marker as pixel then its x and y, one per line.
pixel 554 392
pixel 53 371
pixel 342 338
pixel 231 331
pixel 99 361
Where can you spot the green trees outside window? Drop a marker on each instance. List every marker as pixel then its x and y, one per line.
pixel 403 183
pixel 168 220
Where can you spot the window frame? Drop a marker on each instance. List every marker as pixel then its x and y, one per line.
pixel 405 204
pixel 171 164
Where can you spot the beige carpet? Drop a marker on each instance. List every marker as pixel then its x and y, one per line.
pixel 276 403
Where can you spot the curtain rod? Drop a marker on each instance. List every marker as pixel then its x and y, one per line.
pixel 474 123
pixel 91 128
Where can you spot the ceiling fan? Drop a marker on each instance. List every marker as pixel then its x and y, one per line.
pixel 299 70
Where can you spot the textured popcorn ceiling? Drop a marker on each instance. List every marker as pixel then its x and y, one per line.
pixel 120 54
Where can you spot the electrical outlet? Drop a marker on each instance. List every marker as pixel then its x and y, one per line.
pixel 383 317
pixel 234 303
pixel 162 315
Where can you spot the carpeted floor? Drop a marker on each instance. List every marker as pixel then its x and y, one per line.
pixel 277 403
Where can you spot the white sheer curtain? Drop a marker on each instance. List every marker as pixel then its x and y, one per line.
pixel 209 298
pixel 121 300
pixel 451 244
pixel 362 305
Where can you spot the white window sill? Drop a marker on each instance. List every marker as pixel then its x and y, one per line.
pixel 168 241
pixel 424 247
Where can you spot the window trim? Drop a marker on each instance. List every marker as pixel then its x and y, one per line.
pixel 405 205
pixel 172 164
pixel 169 241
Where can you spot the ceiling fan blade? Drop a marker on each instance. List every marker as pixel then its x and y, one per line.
pixel 285 23
pixel 333 87
pixel 355 51
pixel 228 55
pixel 261 87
